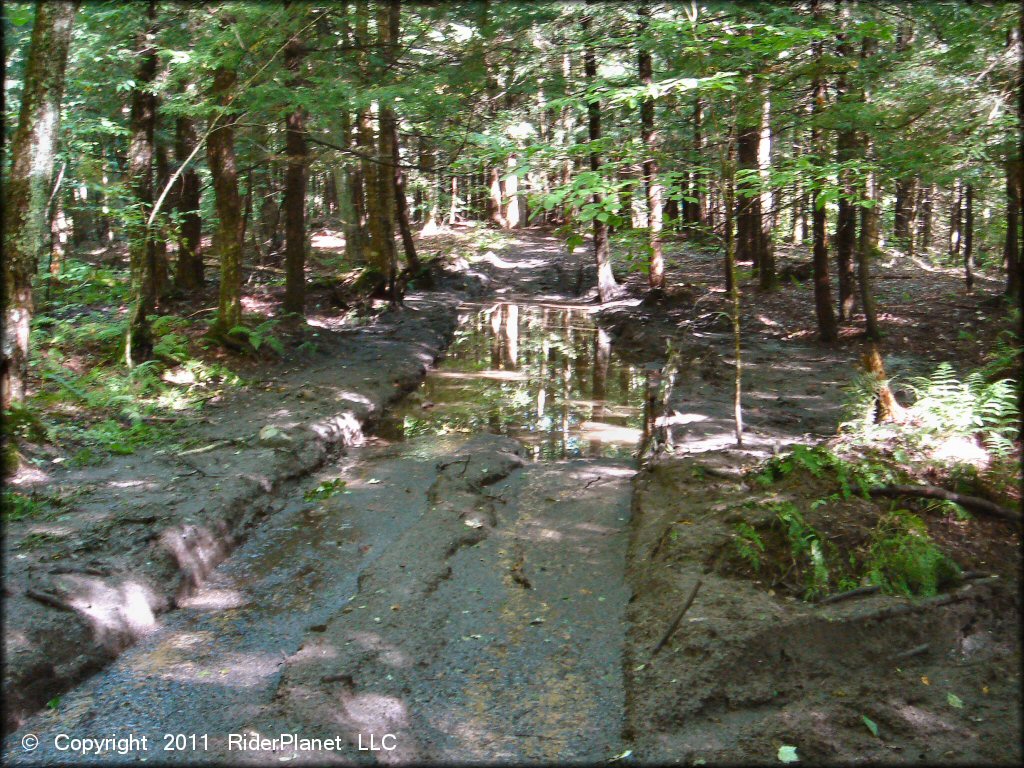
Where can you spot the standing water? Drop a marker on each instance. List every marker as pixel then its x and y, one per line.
pixel 543 374
pixel 462 602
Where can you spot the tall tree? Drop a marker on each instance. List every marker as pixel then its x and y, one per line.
pixel 606 286
pixel 220 157
pixel 141 235
pixel 28 186
pixel 867 247
pixel 295 178
pixel 189 272
pixel 656 272
pixel 827 329
pixel 847 147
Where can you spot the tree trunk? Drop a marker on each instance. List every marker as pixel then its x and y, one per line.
pixel 220 157
pixel 765 223
pixel 656 272
pixel 969 236
pixel 827 329
pixel 1011 243
pixel 606 286
pixel 924 238
pixel 748 215
pixel 189 273
pixel 903 212
pixel 398 175
pixel 868 245
pixel 141 240
pixel 161 268
pixel 33 147
pixel 846 219
pixel 956 219
pixel 386 151
pixel 694 211
pixel 296 177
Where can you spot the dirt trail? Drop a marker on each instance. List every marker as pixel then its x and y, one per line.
pixel 469 604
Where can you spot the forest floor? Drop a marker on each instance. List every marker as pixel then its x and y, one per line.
pixel 477 604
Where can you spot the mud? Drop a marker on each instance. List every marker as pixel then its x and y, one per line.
pixel 491 581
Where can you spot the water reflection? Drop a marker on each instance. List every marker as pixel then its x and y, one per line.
pixel 542 374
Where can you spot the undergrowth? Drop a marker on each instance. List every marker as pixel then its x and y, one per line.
pixel 797 547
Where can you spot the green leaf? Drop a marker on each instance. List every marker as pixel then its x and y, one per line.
pixel 954 701
pixel 787 754
pixel 871 724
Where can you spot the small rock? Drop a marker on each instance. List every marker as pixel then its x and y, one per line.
pixel 272 437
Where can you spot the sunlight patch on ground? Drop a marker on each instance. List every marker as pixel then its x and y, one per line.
pixel 327 239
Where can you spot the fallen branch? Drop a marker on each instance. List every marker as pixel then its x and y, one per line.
pixel 49 599
pixel 679 617
pixel 917 650
pixel 858 592
pixel 973 503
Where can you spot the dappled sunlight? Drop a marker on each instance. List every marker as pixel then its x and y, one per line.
pixel 213 599
pixel 327 240
pixel 118 614
pixel 371 641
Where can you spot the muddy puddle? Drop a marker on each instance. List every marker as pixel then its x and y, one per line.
pixel 542 374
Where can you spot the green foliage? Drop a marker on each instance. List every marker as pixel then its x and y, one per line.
pixel 972 407
pixel 325 490
pixel 259 335
pixel 18 506
pixel 749 545
pixel 806 548
pixel 904 559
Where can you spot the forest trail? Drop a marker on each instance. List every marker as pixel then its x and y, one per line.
pixel 456 596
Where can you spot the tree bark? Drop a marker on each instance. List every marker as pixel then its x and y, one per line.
pixel 868 245
pixel 694 211
pixel 141 240
pixel 296 177
pixel 189 274
pixel 398 175
pixel 1011 244
pixel 28 186
pixel 969 236
pixel 846 218
pixel 827 329
pixel 765 223
pixel 656 272
pixel 220 157
pixel 606 286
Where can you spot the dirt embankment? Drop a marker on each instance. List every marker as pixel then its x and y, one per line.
pixel 144 531
pixel 748 671
pixel 750 666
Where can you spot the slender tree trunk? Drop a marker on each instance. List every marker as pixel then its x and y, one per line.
pixel 189 273
pixel 969 236
pixel 924 238
pixel 296 177
pixel 386 152
pixel 827 329
pixel 748 215
pixel 141 240
pixel 765 223
pixel 220 157
pixel 1010 244
pixel 869 218
pixel 695 211
pixel 398 175
pixel 847 145
pixel 606 286
pixel 956 219
pixel 656 272
pixel 161 267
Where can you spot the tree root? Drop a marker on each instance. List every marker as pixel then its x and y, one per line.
pixel 973 503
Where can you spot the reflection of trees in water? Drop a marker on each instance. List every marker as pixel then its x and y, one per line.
pixel 536 373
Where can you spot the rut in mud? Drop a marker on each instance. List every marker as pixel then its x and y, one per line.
pixel 464 592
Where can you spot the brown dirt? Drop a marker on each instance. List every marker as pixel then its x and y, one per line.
pixel 752 666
